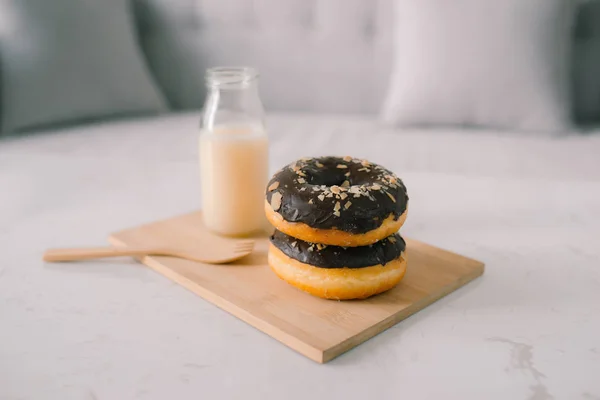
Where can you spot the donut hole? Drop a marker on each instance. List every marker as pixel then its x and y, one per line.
pixel 328 177
pixel 336 177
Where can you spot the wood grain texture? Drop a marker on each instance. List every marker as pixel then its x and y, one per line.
pixel 317 328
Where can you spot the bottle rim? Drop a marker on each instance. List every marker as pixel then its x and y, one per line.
pixel 230 76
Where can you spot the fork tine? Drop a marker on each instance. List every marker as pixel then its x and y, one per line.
pixel 246 242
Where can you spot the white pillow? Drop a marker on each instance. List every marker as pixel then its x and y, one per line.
pixel 487 63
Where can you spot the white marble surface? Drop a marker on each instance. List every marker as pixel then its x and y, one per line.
pixel 528 329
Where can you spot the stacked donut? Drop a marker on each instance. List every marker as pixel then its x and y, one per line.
pixel 336 222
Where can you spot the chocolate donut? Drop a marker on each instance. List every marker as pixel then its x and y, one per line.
pixel 336 201
pixel 335 272
pixel 326 256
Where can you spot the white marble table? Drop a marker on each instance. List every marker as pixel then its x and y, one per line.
pixel 528 329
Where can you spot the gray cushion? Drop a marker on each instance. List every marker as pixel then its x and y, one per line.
pixel 70 60
pixel 502 64
pixel 322 55
pixel 586 63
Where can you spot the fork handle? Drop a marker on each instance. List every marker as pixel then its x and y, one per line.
pixel 56 255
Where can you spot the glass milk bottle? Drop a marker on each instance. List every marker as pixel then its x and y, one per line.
pixel 233 153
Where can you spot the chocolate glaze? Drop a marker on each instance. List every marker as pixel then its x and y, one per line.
pixel 348 194
pixel 323 256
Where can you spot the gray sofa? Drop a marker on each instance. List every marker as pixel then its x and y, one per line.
pixel 329 56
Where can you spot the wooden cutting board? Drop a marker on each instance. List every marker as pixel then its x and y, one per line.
pixel 320 329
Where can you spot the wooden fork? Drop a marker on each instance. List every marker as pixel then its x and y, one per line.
pixel 218 252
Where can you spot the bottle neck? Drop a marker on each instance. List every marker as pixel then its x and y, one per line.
pixel 232 98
